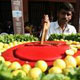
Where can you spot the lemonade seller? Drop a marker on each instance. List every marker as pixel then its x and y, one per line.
pixel 61 26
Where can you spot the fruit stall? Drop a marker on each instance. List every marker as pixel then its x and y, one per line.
pixel 22 57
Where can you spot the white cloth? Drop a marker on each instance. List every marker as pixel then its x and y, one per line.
pixel 56 29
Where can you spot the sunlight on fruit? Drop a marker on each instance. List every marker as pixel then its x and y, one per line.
pixel 69 52
pixel 59 63
pixel 7 63
pixel 15 66
pixel 26 68
pixel 6 46
pixel 42 65
pixel 35 72
pixel 16 72
pixel 55 70
pixel 78 60
pixel 70 61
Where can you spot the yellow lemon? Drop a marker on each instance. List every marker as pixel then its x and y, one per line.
pixel 16 72
pixel 69 42
pixel 3 49
pixel 59 63
pixel 15 43
pixel 69 69
pixel 69 52
pixel 15 66
pixel 70 61
pixel 66 40
pixel 74 49
pixel 73 46
pixel 0 53
pixel 26 68
pixel 6 46
pixel 19 42
pixel 7 63
pixel 42 65
pixel 78 46
pixel 1 45
pixel 78 60
pixel 74 42
pixel 35 73
pixel 11 44
pixel 2 59
pixel 62 40
pixel 55 70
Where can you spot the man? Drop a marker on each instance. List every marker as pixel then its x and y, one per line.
pixel 61 26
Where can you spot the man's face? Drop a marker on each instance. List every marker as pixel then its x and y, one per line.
pixel 64 16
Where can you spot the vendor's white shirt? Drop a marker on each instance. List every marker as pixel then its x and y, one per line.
pixel 56 29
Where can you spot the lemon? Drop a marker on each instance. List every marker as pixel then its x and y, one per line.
pixel 26 68
pixel 19 42
pixel 15 66
pixel 6 46
pixel 0 53
pixel 69 70
pixel 2 59
pixel 16 72
pixel 3 49
pixel 1 45
pixel 59 63
pixel 7 63
pixel 78 46
pixel 69 52
pixel 11 44
pixel 42 65
pixel 35 73
pixel 62 40
pixel 69 42
pixel 74 49
pixel 74 42
pixel 70 61
pixel 55 70
pixel 73 46
pixel 15 43
pixel 66 40
pixel 78 60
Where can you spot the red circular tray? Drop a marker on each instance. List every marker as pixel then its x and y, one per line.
pixel 34 51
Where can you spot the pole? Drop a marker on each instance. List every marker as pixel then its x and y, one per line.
pixel 17 15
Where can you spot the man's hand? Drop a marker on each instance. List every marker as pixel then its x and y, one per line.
pixel 46 22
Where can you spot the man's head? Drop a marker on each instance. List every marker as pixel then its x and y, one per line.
pixel 65 13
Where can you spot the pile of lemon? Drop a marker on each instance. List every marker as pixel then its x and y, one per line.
pixel 58 66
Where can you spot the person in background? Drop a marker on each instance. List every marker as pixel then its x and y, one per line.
pixel 61 26
pixel 28 28
pixel 9 28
